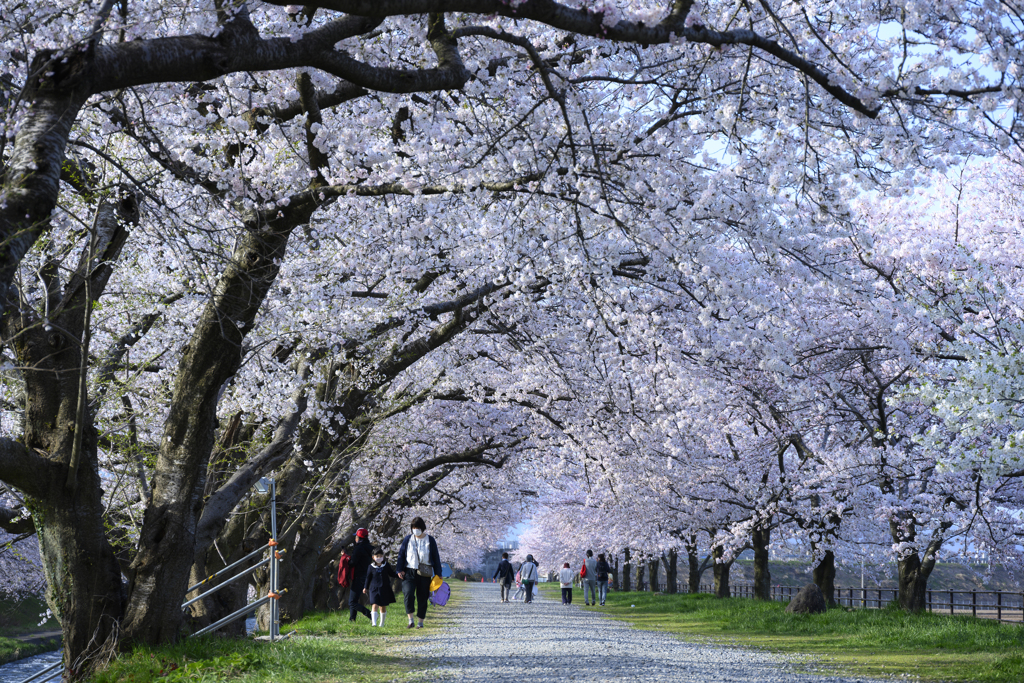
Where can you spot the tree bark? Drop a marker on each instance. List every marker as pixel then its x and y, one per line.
pixel 652 573
pixel 693 567
pixel 721 573
pixel 58 467
pixel 626 575
pixel 762 576
pixel 913 582
pixel 825 577
pixel 671 571
pixel 166 547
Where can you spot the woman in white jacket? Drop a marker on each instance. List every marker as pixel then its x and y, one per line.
pixel 565 578
pixel 528 574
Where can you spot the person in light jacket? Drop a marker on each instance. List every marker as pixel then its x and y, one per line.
pixel 565 578
pixel 528 574
pixel 590 579
pixel 418 562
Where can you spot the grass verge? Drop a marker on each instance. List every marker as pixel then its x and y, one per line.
pixel 327 648
pixel 884 642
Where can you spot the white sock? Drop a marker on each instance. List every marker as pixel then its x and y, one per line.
pixel 373 618
pixel 382 615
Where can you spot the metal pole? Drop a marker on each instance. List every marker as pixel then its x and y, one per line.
pixel 274 564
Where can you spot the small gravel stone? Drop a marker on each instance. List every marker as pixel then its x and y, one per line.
pixel 491 642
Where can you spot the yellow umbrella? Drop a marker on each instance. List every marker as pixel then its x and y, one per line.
pixel 435 582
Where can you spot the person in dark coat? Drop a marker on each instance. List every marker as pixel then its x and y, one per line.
pixel 362 556
pixel 505 575
pixel 418 562
pixel 378 586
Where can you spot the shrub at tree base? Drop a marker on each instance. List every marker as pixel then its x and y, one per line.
pixel 808 601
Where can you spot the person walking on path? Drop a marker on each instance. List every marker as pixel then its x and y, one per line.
pixel 529 575
pixel 504 574
pixel 565 578
pixel 378 587
pixel 589 574
pixel 520 591
pixel 418 562
pixel 362 556
pixel 603 570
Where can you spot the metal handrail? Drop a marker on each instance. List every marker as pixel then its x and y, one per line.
pixel 43 672
pixel 273 595
pixel 226 582
pixel 233 616
pixel 271 543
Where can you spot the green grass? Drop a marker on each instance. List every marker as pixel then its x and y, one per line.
pixel 868 642
pixel 12 650
pixel 327 648
pixel 21 617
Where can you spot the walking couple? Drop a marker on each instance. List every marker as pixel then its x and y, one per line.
pixel 526 577
pixel 594 577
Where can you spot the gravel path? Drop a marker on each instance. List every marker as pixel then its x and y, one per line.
pixel 488 642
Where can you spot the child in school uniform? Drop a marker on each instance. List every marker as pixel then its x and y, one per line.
pixel 565 579
pixel 378 586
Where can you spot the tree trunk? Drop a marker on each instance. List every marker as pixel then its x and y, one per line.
pixel 626 574
pixel 652 573
pixel 640 571
pixel 721 573
pixel 230 598
pixel 83 578
pixel 326 592
pixel 166 548
pixel 825 577
pixel 762 576
pixel 913 583
pixel 56 464
pixel 671 571
pixel 693 566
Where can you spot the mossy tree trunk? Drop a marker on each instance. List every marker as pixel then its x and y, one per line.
pixel 761 538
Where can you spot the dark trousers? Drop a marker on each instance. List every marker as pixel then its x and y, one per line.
pixel 354 606
pixel 506 590
pixel 528 585
pixel 567 596
pixel 415 591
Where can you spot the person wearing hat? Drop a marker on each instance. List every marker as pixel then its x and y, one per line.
pixel 418 563
pixel 362 556
pixel 528 575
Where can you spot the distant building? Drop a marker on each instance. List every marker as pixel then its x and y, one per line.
pixel 493 556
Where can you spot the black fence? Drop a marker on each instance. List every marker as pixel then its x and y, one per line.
pixel 1000 605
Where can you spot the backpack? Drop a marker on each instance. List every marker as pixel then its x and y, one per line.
pixel 346 572
pixel 583 570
